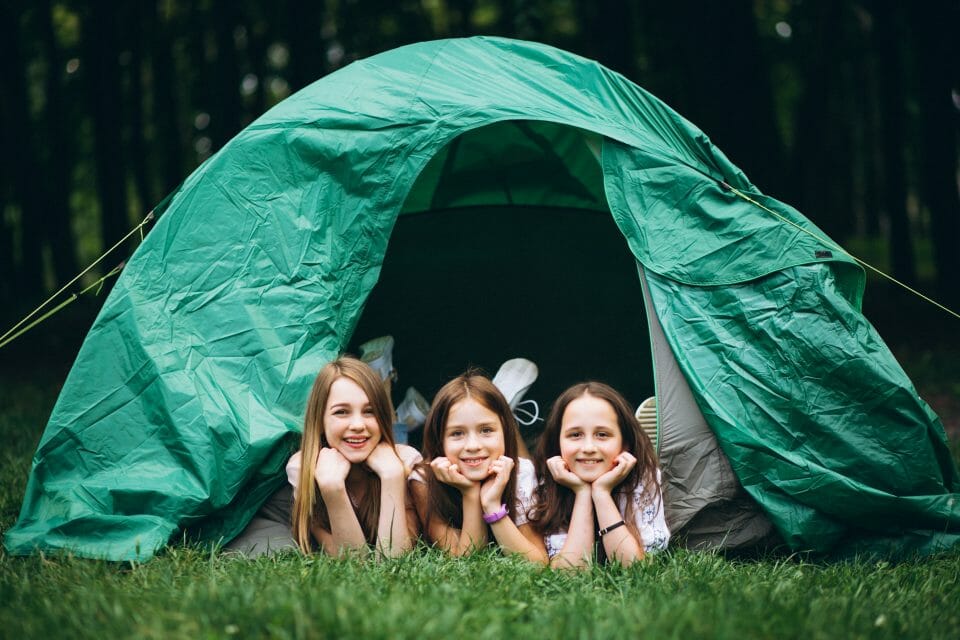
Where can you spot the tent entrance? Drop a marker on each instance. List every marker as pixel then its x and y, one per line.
pixel 505 247
pixel 479 285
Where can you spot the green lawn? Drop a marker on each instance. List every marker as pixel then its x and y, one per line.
pixel 191 593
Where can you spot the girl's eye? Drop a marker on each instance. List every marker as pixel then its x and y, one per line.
pixel 603 434
pixel 340 412
pixel 573 435
pixel 455 434
pixel 487 430
pixel 368 411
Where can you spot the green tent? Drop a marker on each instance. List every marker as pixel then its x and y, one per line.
pixel 492 168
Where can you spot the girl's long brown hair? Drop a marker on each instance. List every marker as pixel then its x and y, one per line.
pixel 444 501
pixel 554 502
pixel 308 508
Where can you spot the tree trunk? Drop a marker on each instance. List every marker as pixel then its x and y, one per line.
pixel 103 85
pixel 867 137
pixel 823 163
pixel 893 115
pixel 259 37
pixel 137 143
pixel 8 268
pixel 459 13
pixel 25 176
pixel 607 28
pixel 59 144
pixel 707 57
pixel 225 105
pixel 308 38
pixel 937 55
pixel 167 132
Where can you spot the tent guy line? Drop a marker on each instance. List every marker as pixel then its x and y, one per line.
pixel 9 336
pixel 832 244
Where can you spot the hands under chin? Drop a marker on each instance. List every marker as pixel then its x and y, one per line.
pixel 622 466
pixel 491 490
pixel 448 473
pixel 384 462
pixel 331 470
pixel 564 476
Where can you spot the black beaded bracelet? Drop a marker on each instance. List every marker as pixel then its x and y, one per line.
pixel 615 525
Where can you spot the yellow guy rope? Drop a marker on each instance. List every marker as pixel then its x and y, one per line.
pixel 8 336
pixel 831 243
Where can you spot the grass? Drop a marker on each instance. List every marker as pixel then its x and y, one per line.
pixel 192 592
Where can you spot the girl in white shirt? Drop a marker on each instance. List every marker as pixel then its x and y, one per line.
pixel 473 489
pixel 599 481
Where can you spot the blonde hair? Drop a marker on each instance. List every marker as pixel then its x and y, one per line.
pixel 308 508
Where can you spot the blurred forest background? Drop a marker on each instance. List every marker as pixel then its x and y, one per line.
pixel 847 109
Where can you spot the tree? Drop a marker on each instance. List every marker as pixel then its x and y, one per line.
pixel 893 116
pixel 706 57
pixel 102 76
pixel 24 177
pixel 937 55
pixel 823 158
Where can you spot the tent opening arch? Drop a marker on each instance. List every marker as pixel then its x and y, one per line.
pixel 506 247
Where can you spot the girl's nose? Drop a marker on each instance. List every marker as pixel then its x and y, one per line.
pixel 473 442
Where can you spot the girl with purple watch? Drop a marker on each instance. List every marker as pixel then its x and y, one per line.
pixel 472 488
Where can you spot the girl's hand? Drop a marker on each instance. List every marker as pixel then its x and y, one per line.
pixel 564 477
pixel 622 466
pixel 491 490
pixel 447 473
pixel 385 462
pixel 331 470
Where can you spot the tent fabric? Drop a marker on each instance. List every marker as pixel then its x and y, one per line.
pixel 820 423
pixel 704 504
pixel 187 395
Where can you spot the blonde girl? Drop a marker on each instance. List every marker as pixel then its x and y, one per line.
pixel 349 478
pixel 599 481
pixel 472 488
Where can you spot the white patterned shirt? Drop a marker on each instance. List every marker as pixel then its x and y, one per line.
pixel 648 518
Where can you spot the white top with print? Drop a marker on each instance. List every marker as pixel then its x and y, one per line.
pixel 648 518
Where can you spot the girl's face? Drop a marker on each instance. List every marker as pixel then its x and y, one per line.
pixel 590 438
pixel 473 438
pixel 349 423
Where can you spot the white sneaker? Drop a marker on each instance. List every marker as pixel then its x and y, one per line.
pixel 514 379
pixel 378 353
pixel 413 410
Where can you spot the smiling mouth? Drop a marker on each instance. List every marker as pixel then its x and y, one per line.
pixel 473 462
pixel 356 442
pixel 589 461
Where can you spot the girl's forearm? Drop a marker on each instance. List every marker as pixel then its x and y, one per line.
pixel 473 533
pixel 619 543
pixel 512 540
pixel 393 535
pixel 578 548
pixel 345 530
